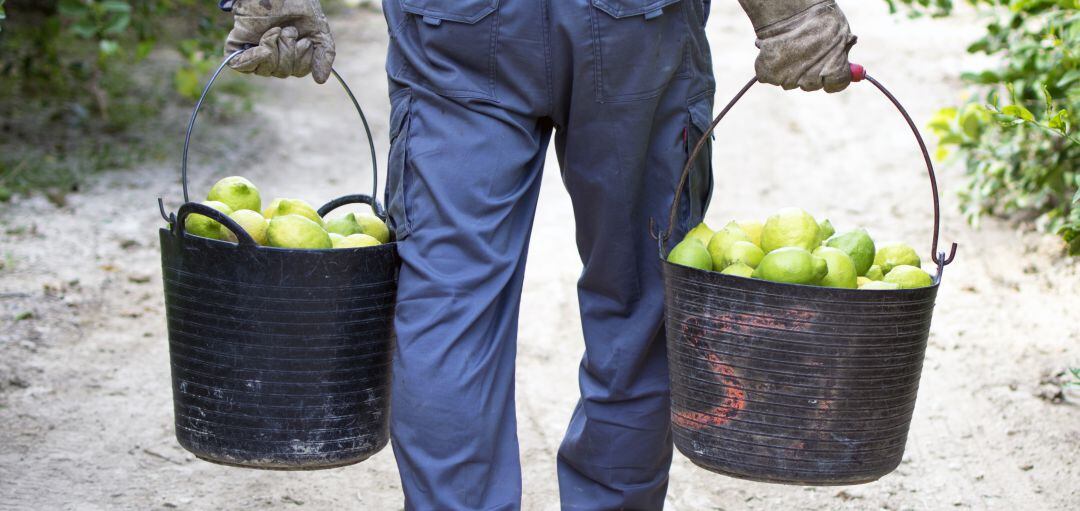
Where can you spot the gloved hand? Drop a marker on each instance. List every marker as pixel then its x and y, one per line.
pixel 288 38
pixel 802 43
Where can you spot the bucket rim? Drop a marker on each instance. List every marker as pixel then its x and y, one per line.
pixel 189 238
pixel 734 279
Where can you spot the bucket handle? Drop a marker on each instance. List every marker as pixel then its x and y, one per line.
pixel 858 73
pixel 379 211
pixel 192 208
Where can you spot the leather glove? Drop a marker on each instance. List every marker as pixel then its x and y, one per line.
pixel 284 38
pixel 802 43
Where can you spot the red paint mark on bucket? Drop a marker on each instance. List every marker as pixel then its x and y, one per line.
pixel 734 400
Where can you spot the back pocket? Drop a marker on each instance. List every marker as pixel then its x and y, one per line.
pixel 639 47
pixel 449 45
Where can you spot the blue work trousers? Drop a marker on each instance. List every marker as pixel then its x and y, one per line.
pixel 477 88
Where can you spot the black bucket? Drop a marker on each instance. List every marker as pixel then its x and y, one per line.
pixel 280 358
pixel 794 384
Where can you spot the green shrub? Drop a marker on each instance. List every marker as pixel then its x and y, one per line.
pixel 1015 135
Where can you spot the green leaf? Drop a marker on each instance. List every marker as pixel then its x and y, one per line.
pixel 1019 112
pixel 108 47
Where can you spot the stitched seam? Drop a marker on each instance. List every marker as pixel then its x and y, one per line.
pixel 493 47
pixel 546 28
pixel 597 62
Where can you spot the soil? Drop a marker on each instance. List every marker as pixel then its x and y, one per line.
pixel 85 405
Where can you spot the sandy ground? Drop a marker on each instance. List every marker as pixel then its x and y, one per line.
pixel 85 411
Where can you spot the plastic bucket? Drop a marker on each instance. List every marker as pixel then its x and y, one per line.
pixel 794 384
pixel 280 358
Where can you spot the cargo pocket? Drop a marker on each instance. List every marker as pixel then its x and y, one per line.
pixel 638 47
pixel 397 164
pixel 699 185
pixel 449 46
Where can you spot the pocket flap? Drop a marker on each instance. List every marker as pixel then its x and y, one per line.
pixel 701 114
pixel 461 11
pixel 628 8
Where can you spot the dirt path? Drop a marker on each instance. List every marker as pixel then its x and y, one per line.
pixel 85 412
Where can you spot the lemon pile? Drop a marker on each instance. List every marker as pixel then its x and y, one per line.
pixel 284 223
pixel 794 248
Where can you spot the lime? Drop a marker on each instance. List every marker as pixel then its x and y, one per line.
pixel 841 268
pixel 701 233
pixel 356 240
pixel 344 225
pixel 295 231
pixel 791 265
pixel 825 230
pixel 880 286
pixel 722 240
pixel 909 277
pixel 743 252
pixel 201 225
pixel 237 192
pixel 790 227
pixel 739 270
pixel 335 238
pixel 373 226
pixel 858 245
pixel 252 222
pixel 862 281
pixel 297 207
pixel 891 255
pixel 690 252
pixel 270 210
pixel 875 273
pixel 752 228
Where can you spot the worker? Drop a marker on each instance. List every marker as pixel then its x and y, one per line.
pixel 477 89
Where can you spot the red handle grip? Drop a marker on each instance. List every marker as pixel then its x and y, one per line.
pixel 857 73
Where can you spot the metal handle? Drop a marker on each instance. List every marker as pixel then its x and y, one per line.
pixel 202 98
pixel 192 208
pixel 858 73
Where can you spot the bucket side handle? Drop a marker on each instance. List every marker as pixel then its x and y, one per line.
pixel 202 100
pixel 194 208
pixel 355 199
pixel 858 73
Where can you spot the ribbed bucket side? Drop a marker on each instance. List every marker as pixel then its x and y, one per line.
pixel 792 384
pixel 280 358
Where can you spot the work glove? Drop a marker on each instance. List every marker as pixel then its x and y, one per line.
pixel 282 38
pixel 802 43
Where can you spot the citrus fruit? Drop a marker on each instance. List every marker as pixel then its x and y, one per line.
pixel 825 230
pixel 875 273
pixel 790 227
pixel 344 225
pixel 690 252
pixel 891 255
pixel 862 281
pixel 743 252
pixel 297 207
pixel 253 223
pixel 201 225
pixel 373 226
pixel 271 209
pixel 237 192
pixel 295 231
pixel 909 277
pixel 723 239
pixel 335 238
pixel 880 286
pixel 752 228
pixel 739 270
pixel 841 269
pixel 356 241
pixel 858 245
pixel 701 233
pixel 792 265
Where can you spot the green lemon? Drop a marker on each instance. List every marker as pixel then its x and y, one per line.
pixel 702 233
pixel 790 227
pixel 862 281
pixel 825 230
pixel 739 270
pixel 858 245
pixel 752 228
pixel 237 192
pixel 909 277
pixel 271 209
pixel 743 252
pixel 891 255
pixel 297 207
pixel 722 240
pixel 841 269
pixel 875 273
pixel 335 238
pixel 252 222
pixel 792 265
pixel 344 225
pixel 690 252
pixel 295 231
pixel 356 241
pixel 880 286
pixel 373 226
pixel 206 227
